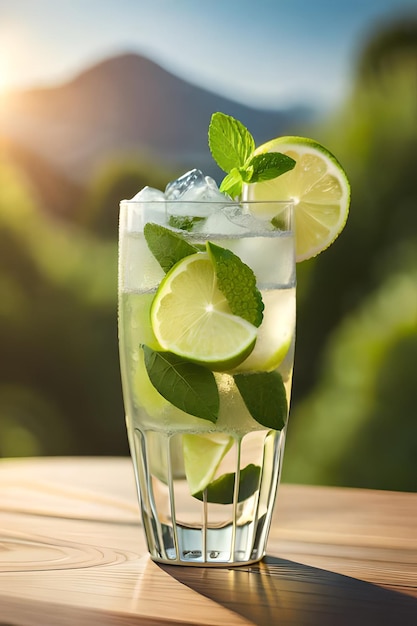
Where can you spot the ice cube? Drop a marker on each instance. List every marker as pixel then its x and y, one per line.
pixel 176 188
pixel 148 205
pixel 205 190
pixel 195 196
pixel 149 194
pixel 233 219
pixel 241 216
pixel 210 192
pixel 218 223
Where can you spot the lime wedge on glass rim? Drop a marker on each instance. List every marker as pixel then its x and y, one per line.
pixel 191 317
pixel 317 185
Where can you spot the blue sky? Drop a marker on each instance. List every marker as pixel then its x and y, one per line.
pixel 268 53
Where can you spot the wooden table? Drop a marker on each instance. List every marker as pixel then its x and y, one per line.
pixel 72 553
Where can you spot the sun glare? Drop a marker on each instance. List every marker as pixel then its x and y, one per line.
pixel 4 77
pixel 14 55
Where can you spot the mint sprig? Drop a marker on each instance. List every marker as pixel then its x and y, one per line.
pixel 232 147
pixel 230 142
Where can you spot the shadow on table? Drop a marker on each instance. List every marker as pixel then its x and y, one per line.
pixel 282 592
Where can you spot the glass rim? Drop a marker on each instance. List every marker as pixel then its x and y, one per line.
pixel 290 203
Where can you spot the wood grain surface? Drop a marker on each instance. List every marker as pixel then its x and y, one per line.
pixel 72 552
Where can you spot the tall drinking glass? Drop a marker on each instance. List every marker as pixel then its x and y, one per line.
pixel 206 487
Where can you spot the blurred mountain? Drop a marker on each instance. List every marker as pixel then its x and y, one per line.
pixel 123 106
pixel 54 191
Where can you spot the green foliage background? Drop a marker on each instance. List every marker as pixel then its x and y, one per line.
pixel 353 418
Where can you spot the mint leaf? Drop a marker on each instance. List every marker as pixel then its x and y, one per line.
pixel 267 166
pixel 232 183
pixel 237 282
pixel 221 490
pixel 184 222
pixel 265 398
pixel 279 222
pixel 167 247
pixel 231 144
pixel 190 387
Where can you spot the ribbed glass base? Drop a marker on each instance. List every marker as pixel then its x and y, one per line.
pixel 185 530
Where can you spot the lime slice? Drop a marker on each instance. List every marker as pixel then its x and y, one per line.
pixel 191 317
pixel 275 334
pixel 138 311
pixel 202 456
pixel 318 186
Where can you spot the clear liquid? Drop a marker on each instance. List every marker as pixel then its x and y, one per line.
pixel 200 531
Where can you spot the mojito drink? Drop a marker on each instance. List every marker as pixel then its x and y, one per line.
pixel 219 454
pixel 207 333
